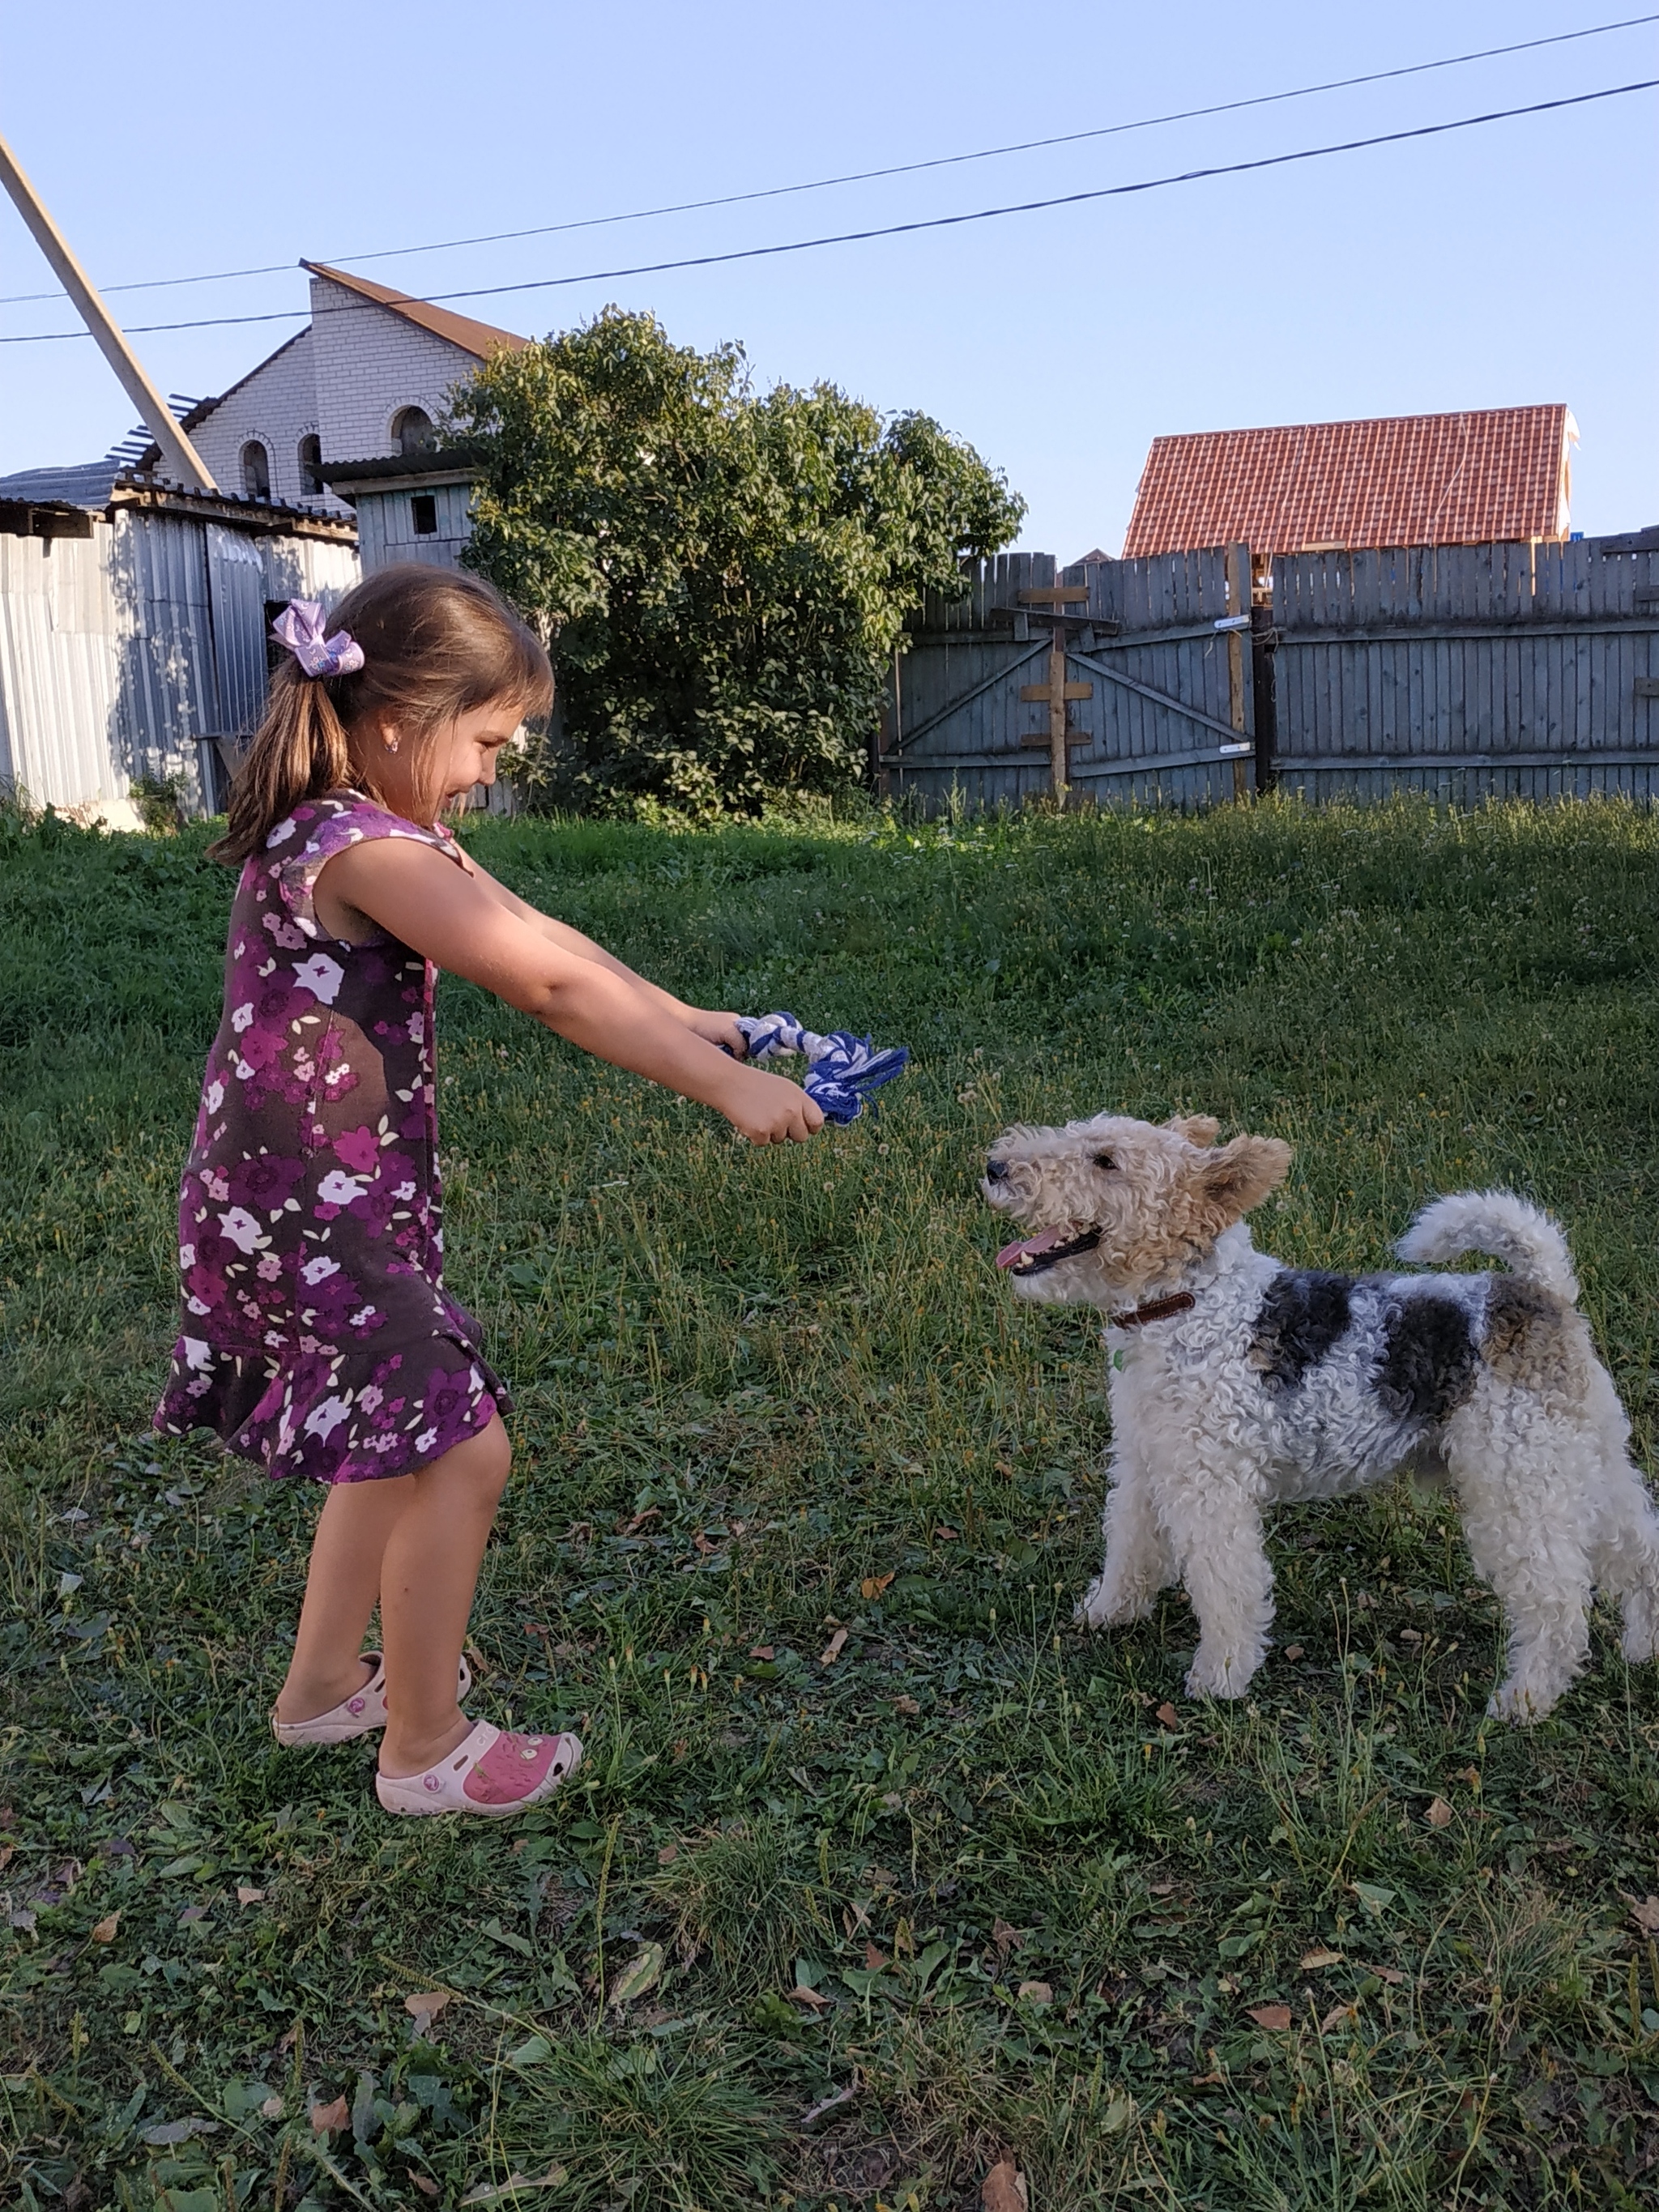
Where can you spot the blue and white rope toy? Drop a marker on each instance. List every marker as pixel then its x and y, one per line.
pixel 842 1070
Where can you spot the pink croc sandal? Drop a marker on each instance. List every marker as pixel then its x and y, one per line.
pixel 489 1772
pixel 357 1715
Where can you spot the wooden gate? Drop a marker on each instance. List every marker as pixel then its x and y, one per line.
pixel 1119 680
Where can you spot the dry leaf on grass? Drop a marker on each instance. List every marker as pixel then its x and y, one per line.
pixel 491 2192
pixel 1644 1912
pixel 765 1651
pixel 1469 1774
pixel 833 2102
pixel 1004 2188
pixel 328 2119
pixel 1313 1960
pixel 649 1513
pixel 874 1960
pixel 1293 1652
pixel 1168 1717
pixel 831 1650
pixel 906 1706
pixel 246 1894
pixel 1439 1815
pixel 946 1535
pixel 1390 1974
pixel 873 1585
pixel 426 2184
pixel 668 1854
pixel 1037 1993
pixel 1335 2017
pixel 1006 1938
pixel 1274 2018
pixel 641 1974
pixel 103 1932
pixel 425 2006
pixel 814 2000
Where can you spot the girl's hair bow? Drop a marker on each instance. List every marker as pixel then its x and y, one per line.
pixel 300 628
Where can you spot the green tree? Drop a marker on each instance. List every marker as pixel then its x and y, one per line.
pixel 722 576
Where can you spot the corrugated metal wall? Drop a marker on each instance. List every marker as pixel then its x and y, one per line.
pixel 58 674
pixel 124 655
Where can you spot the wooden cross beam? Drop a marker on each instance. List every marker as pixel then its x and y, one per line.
pixel 1055 694
pixel 1056 595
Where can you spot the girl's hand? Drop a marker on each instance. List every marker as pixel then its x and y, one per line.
pixel 719 1029
pixel 769 1109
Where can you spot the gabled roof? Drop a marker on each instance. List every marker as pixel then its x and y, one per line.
pixel 479 339
pixel 1470 478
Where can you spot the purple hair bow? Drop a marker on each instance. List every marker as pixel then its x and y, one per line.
pixel 300 628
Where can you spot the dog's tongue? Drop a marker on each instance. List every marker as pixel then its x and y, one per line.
pixel 1027 1247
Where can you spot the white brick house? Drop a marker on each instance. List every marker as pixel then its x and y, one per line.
pixel 342 416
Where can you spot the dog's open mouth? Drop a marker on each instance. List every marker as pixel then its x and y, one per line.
pixel 1031 1255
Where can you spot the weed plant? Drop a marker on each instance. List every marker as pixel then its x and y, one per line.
pixel 828 1931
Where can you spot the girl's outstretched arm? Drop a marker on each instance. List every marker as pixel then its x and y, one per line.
pixel 717 1028
pixel 456 921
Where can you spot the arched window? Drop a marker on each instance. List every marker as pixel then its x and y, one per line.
pixel 412 431
pixel 311 466
pixel 256 469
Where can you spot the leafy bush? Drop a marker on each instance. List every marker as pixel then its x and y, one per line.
pixel 722 577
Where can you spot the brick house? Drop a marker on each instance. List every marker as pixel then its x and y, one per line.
pixel 343 417
pixel 1483 476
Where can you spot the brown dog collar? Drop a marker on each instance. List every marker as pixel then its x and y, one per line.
pixel 1159 1309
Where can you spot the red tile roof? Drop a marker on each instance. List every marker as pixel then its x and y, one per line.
pixel 1465 479
pixel 480 338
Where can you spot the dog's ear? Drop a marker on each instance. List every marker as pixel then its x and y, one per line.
pixel 1200 1129
pixel 1228 1183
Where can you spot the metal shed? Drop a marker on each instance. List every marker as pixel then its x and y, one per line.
pixel 133 618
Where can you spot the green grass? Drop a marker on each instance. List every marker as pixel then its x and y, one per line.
pixel 1033 1913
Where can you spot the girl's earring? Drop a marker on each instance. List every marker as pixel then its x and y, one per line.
pixel 391 745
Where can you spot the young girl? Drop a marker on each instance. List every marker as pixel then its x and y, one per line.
pixel 318 1337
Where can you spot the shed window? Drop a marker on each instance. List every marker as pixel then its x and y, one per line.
pixel 256 469
pixel 412 431
pixel 311 466
pixel 423 511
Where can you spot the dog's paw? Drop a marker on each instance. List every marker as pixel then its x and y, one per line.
pixel 1520 1703
pixel 1113 1606
pixel 1221 1675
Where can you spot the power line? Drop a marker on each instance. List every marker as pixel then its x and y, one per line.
pixel 867 176
pixel 904 229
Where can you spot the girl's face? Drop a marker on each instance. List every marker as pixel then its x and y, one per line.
pixel 461 756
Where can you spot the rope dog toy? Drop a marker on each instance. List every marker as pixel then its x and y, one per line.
pixel 842 1071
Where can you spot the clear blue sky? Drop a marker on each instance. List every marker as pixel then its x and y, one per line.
pixel 1501 265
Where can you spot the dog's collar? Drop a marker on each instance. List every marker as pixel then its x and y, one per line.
pixel 1159 1309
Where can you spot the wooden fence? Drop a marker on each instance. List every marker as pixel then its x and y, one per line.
pixel 1464 670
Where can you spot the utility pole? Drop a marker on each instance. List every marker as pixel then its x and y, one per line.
pixel 183 463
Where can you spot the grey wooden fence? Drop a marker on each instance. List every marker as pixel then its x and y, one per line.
pixel 1519 669
pixel 1156 656
pixel 1470 669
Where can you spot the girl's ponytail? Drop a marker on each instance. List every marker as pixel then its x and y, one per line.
pixel 411 648
pixel 299 752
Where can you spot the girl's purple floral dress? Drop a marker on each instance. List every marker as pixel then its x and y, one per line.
pixel 318 1337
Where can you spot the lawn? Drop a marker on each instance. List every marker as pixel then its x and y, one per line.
pixel 878 1866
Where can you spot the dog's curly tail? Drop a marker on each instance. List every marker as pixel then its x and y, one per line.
pixel 1510 1229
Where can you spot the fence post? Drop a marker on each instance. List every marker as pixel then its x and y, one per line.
pixel 1238 603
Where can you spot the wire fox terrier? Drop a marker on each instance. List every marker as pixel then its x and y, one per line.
pixel 1237 1382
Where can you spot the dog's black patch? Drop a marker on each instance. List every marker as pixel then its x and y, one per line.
pixel 1429 1359
pixel 1302 1316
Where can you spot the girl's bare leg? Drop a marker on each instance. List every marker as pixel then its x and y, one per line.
pixel 342 1585
pixel 429 1572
